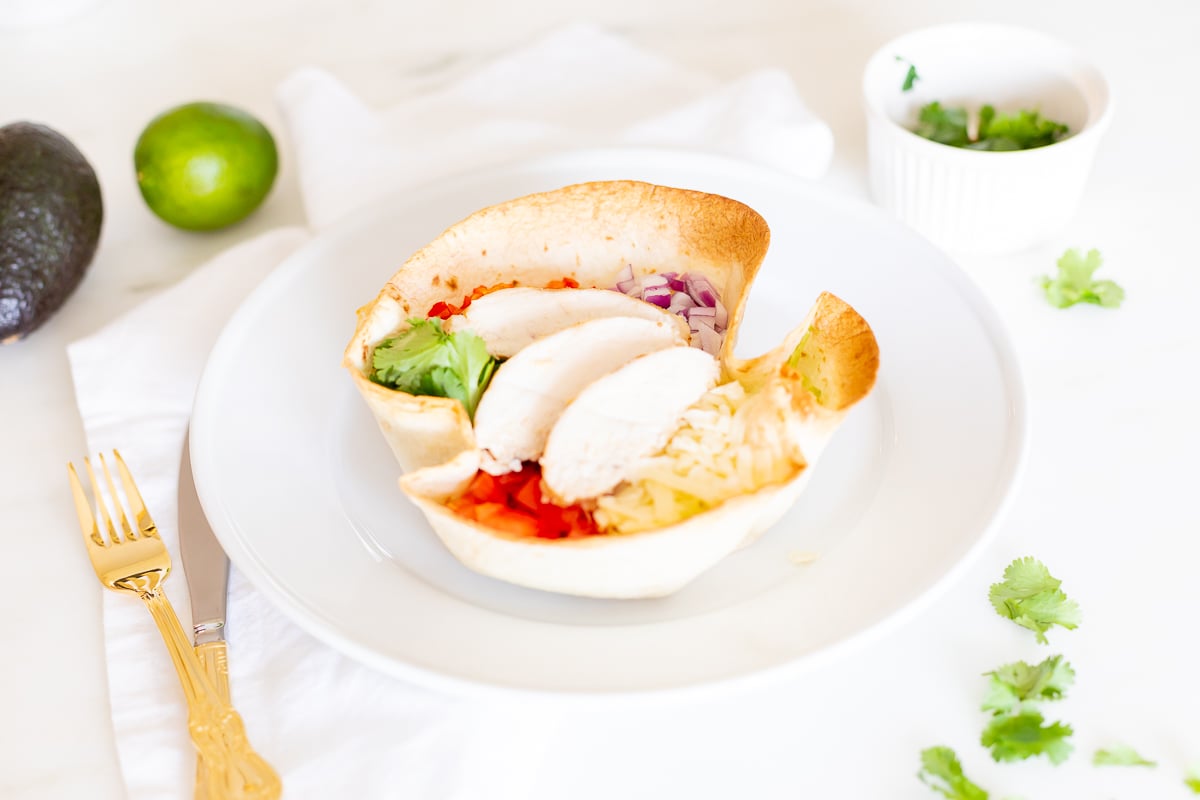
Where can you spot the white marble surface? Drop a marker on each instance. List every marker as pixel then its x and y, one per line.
pixel 1107 499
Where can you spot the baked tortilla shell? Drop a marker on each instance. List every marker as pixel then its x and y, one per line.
pixel 840 362
pixel 589 232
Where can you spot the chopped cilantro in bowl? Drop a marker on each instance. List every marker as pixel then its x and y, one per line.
pixel 999 184
pixel 1020 130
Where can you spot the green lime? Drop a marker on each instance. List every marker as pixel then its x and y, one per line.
pixel 205 165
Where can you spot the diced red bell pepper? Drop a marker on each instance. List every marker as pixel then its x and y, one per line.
pixel 529 496
pixel 443 310
pixel 550 522
pixel 513 502
pixel 483 488
pixel 480 291
pixel 501 517
pixel 577 520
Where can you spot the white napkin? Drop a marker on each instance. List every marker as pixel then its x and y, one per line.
pixel 331 727
pixel 579 87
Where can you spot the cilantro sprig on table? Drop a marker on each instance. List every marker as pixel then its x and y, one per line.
pixel 1074 283
pixel 425 360
pixel 1013 685
pixel 1017 737
pixel 1017 729
pixel 942 771
pixel 1120 755
pixel 1030 596
pixel 1192 780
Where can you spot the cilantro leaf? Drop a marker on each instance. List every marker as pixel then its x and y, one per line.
pixel 943 125
pixel 1016 730
pixel 942 771
pixel 1120 756
pixel 1074 283
pixel 1016 684
pixel 1030 596
pixel 1019 736
pixel 425 360
pixel 401 362
pixel 475 367
pixel 1023 130
pixel 442 381
pixel 910 77
pixel 1192 780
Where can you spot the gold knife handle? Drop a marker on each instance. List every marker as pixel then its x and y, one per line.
pixel 235 771
pixel 213 658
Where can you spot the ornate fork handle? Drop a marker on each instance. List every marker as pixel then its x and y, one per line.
pixel 235 771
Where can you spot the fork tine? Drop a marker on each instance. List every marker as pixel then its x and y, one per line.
pixel 118 507
pixel 100 504
pixel 144 521
pixel 87 520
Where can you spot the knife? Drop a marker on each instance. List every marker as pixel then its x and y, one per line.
pixel 207 569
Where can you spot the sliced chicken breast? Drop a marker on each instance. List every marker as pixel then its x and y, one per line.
pixel 511 319
pixel 531 389
pixel 621 417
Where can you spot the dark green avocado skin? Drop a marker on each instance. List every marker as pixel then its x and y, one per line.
pixel 50 215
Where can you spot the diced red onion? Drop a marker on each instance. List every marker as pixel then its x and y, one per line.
pixel 697 324
pixel 693 297
pixel 681 301
pixel 710 341
pixel 658 295
pixel 701 290
pixel 625 280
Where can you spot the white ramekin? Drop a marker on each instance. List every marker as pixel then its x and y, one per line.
pixel 971 201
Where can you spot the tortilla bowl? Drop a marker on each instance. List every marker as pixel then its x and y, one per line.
pixel 588 232
pixel 811 381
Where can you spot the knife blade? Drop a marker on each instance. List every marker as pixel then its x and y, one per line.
pixel 207 569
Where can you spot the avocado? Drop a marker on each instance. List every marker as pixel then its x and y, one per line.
pixel 50 215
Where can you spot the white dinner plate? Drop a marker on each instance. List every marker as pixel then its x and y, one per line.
pixel 301 488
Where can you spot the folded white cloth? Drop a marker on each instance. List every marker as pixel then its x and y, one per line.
pixel 331 727
pixel 580 87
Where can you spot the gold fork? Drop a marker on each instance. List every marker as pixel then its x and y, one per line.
pixel 135 560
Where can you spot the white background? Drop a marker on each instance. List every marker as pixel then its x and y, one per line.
pixel 1107 500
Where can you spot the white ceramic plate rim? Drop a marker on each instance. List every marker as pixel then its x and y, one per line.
pixel 314 622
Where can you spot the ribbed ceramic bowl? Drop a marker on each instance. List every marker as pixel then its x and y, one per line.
pixel 971 201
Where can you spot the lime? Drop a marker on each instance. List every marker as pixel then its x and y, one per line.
pixel 205 165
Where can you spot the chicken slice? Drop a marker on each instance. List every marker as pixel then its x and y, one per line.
pixel 532 388
pixel 511 319
pixel 621 417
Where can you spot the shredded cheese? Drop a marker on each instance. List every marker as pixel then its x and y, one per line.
pixel 728 444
